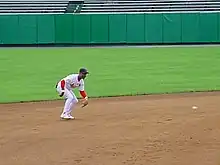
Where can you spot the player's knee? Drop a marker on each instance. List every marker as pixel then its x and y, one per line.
pixel 73 100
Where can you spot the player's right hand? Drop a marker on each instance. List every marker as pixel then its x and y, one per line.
pixel 61 95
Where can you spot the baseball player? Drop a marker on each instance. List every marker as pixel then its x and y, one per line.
pixel 64 88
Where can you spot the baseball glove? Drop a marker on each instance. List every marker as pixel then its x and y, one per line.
pixel 84 103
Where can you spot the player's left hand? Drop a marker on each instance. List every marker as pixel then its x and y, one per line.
pixel 84 103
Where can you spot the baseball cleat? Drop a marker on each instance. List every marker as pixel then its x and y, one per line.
pixel 71 117
pixel 64 116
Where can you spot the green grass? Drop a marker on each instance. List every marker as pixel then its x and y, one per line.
pixel 31 73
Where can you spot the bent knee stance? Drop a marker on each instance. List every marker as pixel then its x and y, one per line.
pixel 73 100
pixel 71 97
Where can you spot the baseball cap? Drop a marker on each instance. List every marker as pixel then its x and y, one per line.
pixel 83 70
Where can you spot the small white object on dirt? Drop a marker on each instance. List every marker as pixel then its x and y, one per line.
pixel 194 107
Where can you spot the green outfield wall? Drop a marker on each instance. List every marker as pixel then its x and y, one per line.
pixel 110 28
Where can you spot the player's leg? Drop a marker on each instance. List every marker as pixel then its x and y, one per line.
pixel 67 102
pixel 73 103
pixel 71 100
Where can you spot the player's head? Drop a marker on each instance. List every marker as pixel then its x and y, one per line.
pixel 83 72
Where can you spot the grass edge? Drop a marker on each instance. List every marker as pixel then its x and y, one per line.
pixel 114 96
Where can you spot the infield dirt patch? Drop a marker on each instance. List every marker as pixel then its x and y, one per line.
pixel 141 130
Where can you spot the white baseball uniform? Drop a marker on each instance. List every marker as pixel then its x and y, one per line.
pixel 66 85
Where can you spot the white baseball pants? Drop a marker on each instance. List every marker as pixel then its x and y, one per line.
pixel 70 99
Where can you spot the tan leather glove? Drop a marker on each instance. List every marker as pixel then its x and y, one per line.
pixel 85 103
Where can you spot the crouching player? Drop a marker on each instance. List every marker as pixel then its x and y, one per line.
pixel 64 88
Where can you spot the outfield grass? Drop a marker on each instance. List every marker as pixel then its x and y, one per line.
pixel 31 73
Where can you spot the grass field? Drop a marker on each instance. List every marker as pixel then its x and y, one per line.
pixel 31 73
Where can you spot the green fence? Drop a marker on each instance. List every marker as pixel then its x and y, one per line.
pixel 111 28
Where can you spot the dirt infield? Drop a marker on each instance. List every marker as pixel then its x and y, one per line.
pixel 142 130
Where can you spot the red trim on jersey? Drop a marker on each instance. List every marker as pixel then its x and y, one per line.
pixel 83 94
pixel 62 84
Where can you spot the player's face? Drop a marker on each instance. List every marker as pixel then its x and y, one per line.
pixel 83 75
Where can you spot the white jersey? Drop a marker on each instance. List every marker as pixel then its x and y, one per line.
pixel 72 82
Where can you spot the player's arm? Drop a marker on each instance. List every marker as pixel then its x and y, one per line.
pixel 62 84
pixel 82 91
pixel 85 97
pixel 83 94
